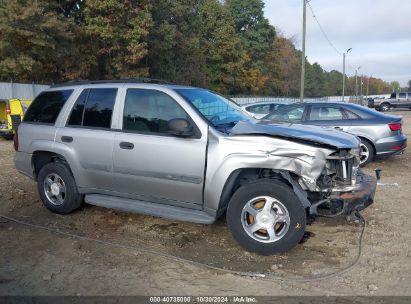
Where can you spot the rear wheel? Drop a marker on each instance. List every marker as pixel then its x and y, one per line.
pixel 385 106
pixel 366 152
pixel 57 188
pixel 266 217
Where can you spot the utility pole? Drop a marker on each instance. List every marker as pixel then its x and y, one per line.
pixel 343 89
pixel 361 85
pixel 368 84
pixel 356 84
pixel 303 50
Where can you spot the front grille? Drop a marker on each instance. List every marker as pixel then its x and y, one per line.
pixel 15 121
pixel 344 170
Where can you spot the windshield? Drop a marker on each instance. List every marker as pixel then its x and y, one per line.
pixel 219 111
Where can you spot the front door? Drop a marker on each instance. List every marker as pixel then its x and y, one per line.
pixel 149 163
pixel 328 116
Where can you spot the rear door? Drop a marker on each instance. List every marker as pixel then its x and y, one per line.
pixel 89 136
pixel 402 100
pixel 149 163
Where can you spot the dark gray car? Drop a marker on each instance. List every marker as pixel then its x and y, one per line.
pixel 380 134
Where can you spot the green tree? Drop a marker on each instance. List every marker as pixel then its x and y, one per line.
pixel 257 37
pixel 113 38
pixel 174 42
pixel 283 63
pixel 194 42
pixel 36 42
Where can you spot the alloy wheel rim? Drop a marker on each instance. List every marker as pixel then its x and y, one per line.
pixel 364 153
pixel 265 219
pixel 54 189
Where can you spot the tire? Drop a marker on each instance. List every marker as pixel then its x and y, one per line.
pixel 367 152
pixel 384 107
pixel 240 221
pixel 56 178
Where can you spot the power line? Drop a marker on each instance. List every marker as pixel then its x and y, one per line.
pixel 322 30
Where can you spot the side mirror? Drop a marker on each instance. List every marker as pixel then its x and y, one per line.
pixel 180 127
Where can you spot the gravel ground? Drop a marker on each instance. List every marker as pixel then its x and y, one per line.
pixel 38 262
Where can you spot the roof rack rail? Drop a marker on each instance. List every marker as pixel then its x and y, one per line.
pixel 121 80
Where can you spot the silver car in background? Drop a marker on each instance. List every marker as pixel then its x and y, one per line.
pixel 260 109
pixel 380 134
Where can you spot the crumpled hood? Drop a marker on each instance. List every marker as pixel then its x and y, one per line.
pixel 322 135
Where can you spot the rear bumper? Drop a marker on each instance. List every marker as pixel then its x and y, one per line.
pixel 358 199
pixel 391 145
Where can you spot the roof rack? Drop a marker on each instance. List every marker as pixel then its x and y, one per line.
pixel 122 80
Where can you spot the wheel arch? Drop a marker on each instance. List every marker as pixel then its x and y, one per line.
pixel 369 141
pixel 40 158
pixel 385 103
pixel 242 176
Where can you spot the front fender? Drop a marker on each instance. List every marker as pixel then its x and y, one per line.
pixel 229 154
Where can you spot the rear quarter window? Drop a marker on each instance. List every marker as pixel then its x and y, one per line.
pixel 47 106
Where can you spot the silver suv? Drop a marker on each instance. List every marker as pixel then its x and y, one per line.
pixel 187 154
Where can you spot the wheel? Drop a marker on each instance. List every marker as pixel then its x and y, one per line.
pixel 385 107
pixel 57 188
pixel 366 152
pixel 266 217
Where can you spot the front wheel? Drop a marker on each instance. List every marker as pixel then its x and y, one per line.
pixel 266 217
pixel 385 107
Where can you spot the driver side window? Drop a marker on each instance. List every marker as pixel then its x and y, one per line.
pixel 148 111
pixel 294 114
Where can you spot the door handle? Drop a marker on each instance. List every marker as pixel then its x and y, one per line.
pixel 126 145
pixel 338 128
pixel 67 139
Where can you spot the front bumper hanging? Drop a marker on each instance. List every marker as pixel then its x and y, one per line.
pixel 359 198
pixel 347 199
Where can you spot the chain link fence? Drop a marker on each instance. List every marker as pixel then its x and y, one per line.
pixel 245 100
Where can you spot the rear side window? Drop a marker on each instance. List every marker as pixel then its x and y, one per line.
pixel 93 108
pixel 47 106
pixel 351 115
pixel 402 95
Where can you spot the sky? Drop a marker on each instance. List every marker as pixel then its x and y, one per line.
pixel 378 31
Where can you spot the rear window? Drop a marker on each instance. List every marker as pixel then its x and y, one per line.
pixel 47 106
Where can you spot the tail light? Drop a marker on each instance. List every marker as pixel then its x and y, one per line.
pixel 8 111
pixel 16 140
pixel 395 126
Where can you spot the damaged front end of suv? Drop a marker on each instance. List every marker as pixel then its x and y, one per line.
pixel 342 188
pixel 321 164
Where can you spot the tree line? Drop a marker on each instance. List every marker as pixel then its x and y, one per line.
pixel 228 46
